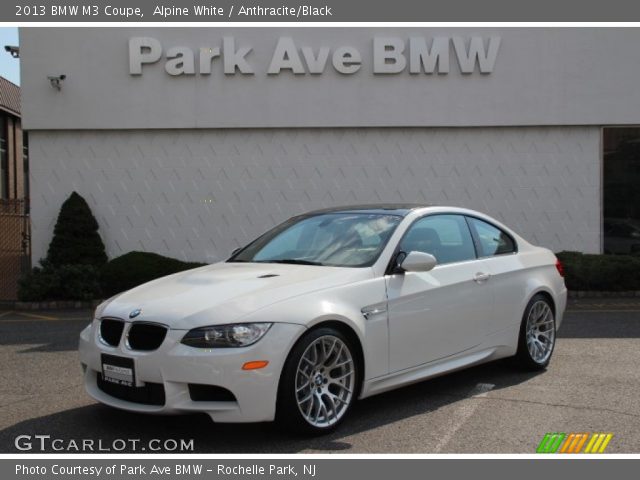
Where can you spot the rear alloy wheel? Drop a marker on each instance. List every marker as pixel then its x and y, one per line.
pixel 319 383
pixel 537 334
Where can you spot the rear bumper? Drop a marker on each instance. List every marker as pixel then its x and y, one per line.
pixel 561 306
pixel 174 366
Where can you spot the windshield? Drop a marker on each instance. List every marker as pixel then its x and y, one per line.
pixel 331 239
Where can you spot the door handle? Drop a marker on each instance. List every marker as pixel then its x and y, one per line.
pixel 481 277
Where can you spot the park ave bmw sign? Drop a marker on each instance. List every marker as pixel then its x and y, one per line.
pixel 390 55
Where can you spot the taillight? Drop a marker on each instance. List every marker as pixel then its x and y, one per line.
pixel 560 267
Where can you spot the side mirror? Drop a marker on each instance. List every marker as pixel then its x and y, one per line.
pixel 418 262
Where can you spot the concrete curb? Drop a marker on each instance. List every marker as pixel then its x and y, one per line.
pixel 594 294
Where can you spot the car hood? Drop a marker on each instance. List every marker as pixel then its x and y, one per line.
pixel 224 292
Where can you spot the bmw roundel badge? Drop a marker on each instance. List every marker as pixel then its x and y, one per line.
pixel 135 313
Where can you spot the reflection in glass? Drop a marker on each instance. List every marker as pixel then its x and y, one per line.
pixel 621 190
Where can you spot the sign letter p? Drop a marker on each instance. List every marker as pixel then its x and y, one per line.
pixel 143 50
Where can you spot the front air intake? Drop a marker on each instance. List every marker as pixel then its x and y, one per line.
pixel 210 393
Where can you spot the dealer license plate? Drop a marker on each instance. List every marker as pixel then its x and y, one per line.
pixel 118 370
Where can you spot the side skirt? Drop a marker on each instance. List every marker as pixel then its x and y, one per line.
pixel 462 360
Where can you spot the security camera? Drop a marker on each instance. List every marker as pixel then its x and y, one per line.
pixel 12 50
pixel 56 81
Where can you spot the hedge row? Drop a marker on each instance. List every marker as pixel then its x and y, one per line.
pixel 611 273
pixel 76 266
pixel 88 282
pixel 136 268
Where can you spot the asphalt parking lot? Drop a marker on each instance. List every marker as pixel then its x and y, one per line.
pixel 592 385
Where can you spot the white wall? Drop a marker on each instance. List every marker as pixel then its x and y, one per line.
pixel 197 194
pixel 542 76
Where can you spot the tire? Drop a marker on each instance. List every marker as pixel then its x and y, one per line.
pixel 319 383
pixel 537 334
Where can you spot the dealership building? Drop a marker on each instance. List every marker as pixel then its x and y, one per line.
pixel 189 142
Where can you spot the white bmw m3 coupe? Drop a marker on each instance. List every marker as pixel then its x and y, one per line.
pixel 328 307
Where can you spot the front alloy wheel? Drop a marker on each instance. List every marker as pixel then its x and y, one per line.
pixel 537 334
pixel 319 382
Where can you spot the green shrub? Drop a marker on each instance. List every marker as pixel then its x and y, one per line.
pixel 66 282
pixel 76 240
pixel 135 268
pixel 76 253
pixel 612 273
pixel 36 285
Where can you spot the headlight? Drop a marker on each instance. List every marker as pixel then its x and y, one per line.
pixel 226 336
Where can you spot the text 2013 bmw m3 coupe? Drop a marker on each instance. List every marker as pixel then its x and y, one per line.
pixel 328 307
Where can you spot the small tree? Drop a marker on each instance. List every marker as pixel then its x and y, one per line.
pixel 76 240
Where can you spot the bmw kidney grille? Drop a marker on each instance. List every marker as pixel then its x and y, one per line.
pixel 144 336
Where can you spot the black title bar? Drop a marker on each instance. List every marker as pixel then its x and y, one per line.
pixel 35 11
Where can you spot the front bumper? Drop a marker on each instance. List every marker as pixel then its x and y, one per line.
pixel 175 366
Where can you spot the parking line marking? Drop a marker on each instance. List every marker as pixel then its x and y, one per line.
pixel 27 320
pixel 5 313
pixel 38 316
pixel 465 410
pixel 482 390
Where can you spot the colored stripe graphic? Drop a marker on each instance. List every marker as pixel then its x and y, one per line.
pixel 598 443
pixel 570 443
pixel 590 444
pixel 582 441
pixel 573 442
pixel 550 443
pixel 596 446
pixel 605 442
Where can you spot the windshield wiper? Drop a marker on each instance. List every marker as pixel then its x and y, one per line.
pixel 293 261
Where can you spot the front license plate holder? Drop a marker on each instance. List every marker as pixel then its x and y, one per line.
pixel 118 370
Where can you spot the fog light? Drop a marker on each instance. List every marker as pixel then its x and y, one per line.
pixel 255 365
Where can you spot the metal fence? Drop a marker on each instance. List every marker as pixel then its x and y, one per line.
pixel 15 245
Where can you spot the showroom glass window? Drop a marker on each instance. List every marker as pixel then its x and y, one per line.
pixel 446 237
pixel 621 178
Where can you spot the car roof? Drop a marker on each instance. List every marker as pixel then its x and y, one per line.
pixel 401 209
